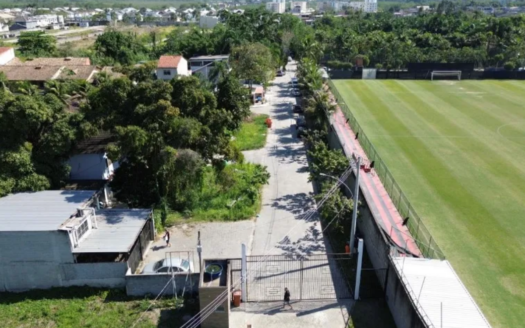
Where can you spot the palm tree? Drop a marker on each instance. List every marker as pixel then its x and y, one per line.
pixel 219 71
pixel 27 88
pixel 59 89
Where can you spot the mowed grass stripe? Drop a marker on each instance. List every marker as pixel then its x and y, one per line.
pixel 492 276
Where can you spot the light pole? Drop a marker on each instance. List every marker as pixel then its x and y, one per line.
pixel 356 200
pixel 340 181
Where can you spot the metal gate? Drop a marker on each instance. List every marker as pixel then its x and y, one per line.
pixel 319 276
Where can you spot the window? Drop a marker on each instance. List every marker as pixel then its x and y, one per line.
pixel 82 229
pixel 162 270
pixel 167 72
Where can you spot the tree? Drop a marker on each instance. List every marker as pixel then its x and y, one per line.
pixel 36 44
pixel 234 98
pixel 33 152
pixel 119 47
pixel 253 62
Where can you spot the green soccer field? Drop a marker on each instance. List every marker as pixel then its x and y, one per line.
pixel 457 149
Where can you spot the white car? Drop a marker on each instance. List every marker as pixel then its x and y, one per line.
pixel 169 265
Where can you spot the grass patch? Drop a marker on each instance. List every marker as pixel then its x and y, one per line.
pixel 252 134
pixel 90 307
pixel 229 195
pixel 456 148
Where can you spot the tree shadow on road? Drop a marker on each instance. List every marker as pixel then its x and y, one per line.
pixel 311 243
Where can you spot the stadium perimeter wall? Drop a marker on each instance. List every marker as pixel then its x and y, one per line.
pixel 425 75
pixel 378 248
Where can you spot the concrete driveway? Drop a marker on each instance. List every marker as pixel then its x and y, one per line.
pixel 219 240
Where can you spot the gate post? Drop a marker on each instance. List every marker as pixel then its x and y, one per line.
pixel 243 273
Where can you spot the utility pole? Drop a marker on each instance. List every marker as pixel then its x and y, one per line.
pixel 359 267
pixel 199 250
pixel 354 211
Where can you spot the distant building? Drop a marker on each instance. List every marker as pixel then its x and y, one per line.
pixel 298 7
pixel 208 21
pixel 170 67
pixel 369 6
pixel 39 70
pixel 276 7
pixel 203 65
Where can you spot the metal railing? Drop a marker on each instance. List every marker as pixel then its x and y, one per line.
pixel 421 235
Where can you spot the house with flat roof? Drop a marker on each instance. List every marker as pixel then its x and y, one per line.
pixel 170 67
pixel 203 65
pixel 61 238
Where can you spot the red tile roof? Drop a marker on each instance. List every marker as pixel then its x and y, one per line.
pixel 169 61
pixel 4 49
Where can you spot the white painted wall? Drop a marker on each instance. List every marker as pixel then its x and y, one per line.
pixel 166 74
pixel 89 167
pixel 208 21
pixel 7 56
pixel 182 69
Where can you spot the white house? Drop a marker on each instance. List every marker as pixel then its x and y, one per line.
pixel 6 55
pixel 203 65
pixel 170 67
pixel 61 238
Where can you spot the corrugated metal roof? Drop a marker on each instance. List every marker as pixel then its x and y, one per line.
pixel 40 211
pixel 439 294
pixel 117 231
pixel 220 57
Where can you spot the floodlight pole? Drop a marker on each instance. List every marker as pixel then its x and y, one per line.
pixel 354 211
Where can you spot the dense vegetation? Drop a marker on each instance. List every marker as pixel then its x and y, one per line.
pixel 447 36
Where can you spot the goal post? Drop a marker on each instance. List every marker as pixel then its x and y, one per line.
pixel 446 75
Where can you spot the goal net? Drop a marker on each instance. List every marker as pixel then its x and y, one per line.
pixel 369 73
pixel 445 75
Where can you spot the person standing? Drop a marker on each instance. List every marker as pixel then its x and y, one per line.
pixel 287 298
pixel 167 238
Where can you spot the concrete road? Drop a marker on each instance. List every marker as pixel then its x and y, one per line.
pixel 283 226
pixel 333 314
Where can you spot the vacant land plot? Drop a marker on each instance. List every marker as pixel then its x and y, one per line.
pixel 457 150
pixel 91 307
pixel 252 134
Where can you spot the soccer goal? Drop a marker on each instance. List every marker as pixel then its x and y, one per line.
pixel 445 75
pixel 369 73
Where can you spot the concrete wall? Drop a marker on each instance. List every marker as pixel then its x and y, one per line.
pixel 152 284
pixel 35 246
pixel 378 250
pixel 182 69
pixel 111 274
pixel 8 55
pixel 21 276
pixel 161 73
pixel 88 167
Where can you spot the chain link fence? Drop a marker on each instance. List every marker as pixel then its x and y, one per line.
pixel 419 232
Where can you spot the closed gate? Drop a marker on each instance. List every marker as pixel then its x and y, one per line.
pixel 319 276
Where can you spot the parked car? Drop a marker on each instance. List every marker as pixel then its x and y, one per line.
pixel 280 73
pixel 296 93
pixel 297 109
pixel 169 265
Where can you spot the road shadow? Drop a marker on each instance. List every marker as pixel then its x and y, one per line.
pixel 297 204
pixel 311 243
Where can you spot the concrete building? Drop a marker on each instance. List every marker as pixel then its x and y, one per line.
pixel 208 21
pixel 170 67
pixel 276 7
pixel 369 6
pixel 23 23
pixel 299 7
pixel 90 161
pixel 61 238
pixel 203 65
